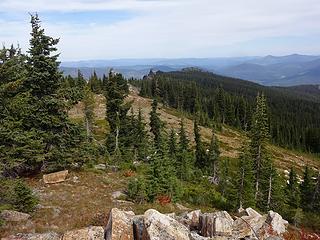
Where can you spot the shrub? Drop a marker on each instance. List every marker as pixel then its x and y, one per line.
pixel 24 200
pixel 136 190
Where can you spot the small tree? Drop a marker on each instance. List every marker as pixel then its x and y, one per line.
pixel 24 200
pixel 213 156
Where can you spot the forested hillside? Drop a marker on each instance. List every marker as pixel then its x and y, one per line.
pixel 294 115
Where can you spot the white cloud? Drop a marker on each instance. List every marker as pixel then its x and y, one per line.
pixel 176 28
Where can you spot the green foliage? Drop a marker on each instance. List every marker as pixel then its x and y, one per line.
pixel 292 190
pixel 201 158
pixel 136 190
pixel 88 102
pixel 244 182
pixel 231 101
pixel 213 156
pixel 24 200
pixel 155 124
pixel 16 195
pixel 306 190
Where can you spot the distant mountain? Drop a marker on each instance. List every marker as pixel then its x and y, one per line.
pixel 278 71
pixel 270 70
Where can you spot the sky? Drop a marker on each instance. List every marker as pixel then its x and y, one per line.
pixel 110 29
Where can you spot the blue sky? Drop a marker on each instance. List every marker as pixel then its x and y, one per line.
pixel 108 29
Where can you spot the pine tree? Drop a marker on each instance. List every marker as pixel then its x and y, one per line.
pixel 292 190
pixel 155 124
pixel 49 129
pixel 88 102
pixel 315 202
pixel 141 137
pixel 259 136
pixel 183 140
pixel 24 200
pixel 172 143
pixel 116 113
pixel 213 156
pixel 306 190
pixel 245 181
pixel 200 151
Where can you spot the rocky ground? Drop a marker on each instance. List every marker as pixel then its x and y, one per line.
pixel 192 225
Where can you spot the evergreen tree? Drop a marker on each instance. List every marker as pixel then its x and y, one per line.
pixel 292 190
pixel 306 190
pixel 183 140
pixel 155 124
pixel 141 137
pixel 259 136
pixel 200 151
pixel 172 143
pixel 24 201
pixel 315 203
pixel 116 113
pixel 245 181
pixel 48 134
pixel 88 102
pixel 213 156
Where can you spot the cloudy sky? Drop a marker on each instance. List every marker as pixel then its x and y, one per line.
pixel 107 29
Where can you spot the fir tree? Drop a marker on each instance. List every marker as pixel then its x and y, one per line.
pixel 183 140
pixel 213 156
pixel 245 181
pixel 24 201
pixel 172 143
pixel 292 190
pixel 306 190
pixel 88 102
pixel 155 124
pixel 200 151
pixel 259 136
pixel 50 131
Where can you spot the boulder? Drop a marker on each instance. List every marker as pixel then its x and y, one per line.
pixel 215 224
pixel 248 226
pixel 100 166
pixel 252 212
pixel 181 207
pixel 119 225
pixel 34 236
pixel 276 222
pixel 89 233
pixel 14 216
pixel 192 219
pixel 118 194
pixel 55 177
pixel 161 227
pixel 139 231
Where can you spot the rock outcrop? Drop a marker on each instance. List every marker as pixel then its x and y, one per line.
pixel 160 227
pixel 119 225
pixel 194 225
pixel 14 216
pixel 55 177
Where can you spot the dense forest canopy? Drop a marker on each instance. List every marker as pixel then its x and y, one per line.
pixel 294 116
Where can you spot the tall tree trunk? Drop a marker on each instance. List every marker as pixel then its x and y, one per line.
pixel 269 191
pixel 241 189
pixel 258 172
pixel 87 129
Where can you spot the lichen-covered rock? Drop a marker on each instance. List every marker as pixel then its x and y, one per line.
pixel 161 227
pixel 90 233
pixel 193 219
pixel 14 216
pixel 215 224
pixel 55 177
pixel 119 225
pixel 34 236
pixel 277 223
